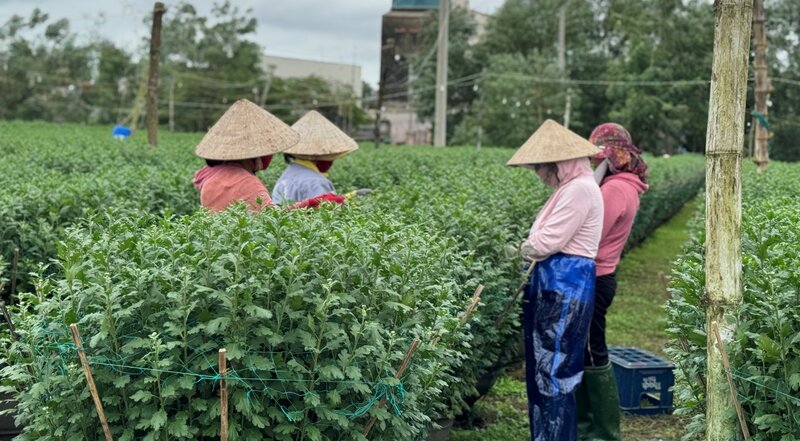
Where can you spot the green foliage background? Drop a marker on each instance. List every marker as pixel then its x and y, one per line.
pixel 122 213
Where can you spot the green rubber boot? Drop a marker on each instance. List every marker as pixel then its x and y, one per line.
pixel 584 412
pixel 603 399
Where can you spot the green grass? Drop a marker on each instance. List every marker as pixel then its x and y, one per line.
pixel 636 318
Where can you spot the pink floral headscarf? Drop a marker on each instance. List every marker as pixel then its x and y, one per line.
pixel 618 149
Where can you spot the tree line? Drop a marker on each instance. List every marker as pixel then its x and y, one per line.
pixel 49 72
pixel 642 63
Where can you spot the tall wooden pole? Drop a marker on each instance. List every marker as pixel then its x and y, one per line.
pixel 724 146
pixel 440 114
pixel 152 82
pixel 763 86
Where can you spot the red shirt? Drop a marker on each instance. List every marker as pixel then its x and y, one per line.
pixel 228 183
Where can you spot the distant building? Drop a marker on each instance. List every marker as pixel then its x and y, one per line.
pixel 341 76
pixel 401 43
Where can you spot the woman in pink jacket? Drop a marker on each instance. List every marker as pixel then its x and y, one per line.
pixel 558 300
pixel 622 175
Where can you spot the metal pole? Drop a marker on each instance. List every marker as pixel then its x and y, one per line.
pixel 267 85
pixel 381 86
pixel 172 104
pixel 440 123
pixel 562 60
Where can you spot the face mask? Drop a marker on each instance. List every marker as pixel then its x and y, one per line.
pixel 263 162
pixel 323 166
pixel 547 175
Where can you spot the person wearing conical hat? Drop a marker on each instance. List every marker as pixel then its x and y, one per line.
pixel 306 176
pixel 559 296
pixel 240 144
pixel 622 175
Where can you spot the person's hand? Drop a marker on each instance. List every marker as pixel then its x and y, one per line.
pixel 316 201
pixel 363 192
pixel 525 251
pixel 511 251
pixel 359 192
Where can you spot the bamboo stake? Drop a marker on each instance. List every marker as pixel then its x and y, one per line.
pixel 400 371
pixel 734 395
pixel 10 324
pixel 223 396
pixel 515 296
pixel 724 145
pixel 76 337
pixel 476 298
pixel 14 266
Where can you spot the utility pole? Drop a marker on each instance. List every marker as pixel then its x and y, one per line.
pixel 172 103
pixel 763 86
pixel 562 60
pixel 381 86
pixel 723 249
pixel 267 85
pixel 479 89
pixel 152 83
pixel 440 123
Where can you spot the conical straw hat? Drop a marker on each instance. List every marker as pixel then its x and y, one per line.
pixel 246 131
pixel 320 139
pixel 552 142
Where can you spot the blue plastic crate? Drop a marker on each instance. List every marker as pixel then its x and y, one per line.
pixel 643 380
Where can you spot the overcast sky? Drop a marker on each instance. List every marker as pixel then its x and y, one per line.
pixel 343 31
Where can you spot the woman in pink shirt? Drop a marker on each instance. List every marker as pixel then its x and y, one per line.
pixel 557 307
pixel 622 175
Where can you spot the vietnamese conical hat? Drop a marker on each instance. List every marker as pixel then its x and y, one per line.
pixel 552 142
pixel 320 139
pixel 246 131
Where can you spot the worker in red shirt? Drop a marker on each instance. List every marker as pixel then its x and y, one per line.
pixel 240 144
pixel 622 175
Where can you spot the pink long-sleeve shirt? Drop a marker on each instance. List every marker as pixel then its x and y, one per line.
pixel 225 184
pixel 621 200
pixel 571 220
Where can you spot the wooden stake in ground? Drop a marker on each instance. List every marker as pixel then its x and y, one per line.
pixel 76 337
pixel 223 396
pixel 14 266
pixel 724 145
pixel 152 82
pixel 761 157
pixel 11 330
pixel 400 371
pixel 734 394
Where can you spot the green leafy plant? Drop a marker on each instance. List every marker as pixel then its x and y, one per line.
pixel 765 355
pixel 316 311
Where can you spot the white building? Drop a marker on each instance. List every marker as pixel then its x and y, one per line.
pixel 339 75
